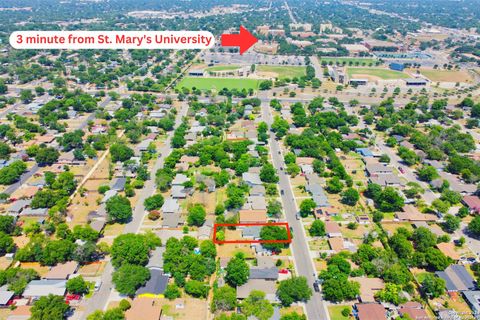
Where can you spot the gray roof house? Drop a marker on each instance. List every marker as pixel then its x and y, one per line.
pixel 473 300
pixel 251 232
pixel 16 207
pixel 457 278
pixel 264 273
pixel 170 206
pixel 39 212
pixel 252 179
pixel 42 288
pixel 178 192
pixel 180 179
pixel 108 195
pixel 156 284
pixel 257 190
pixel 119 184
pixel 377 168
pixel 5 295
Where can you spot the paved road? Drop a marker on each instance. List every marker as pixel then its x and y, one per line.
pixel 315 63
pixel 99 300
pixel 315 307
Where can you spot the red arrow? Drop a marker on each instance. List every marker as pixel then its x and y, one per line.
pixel 244 40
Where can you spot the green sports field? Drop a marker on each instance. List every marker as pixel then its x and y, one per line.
pixel 223 68
pixel 384 74
pixel 218 83
pixel 348 61
pixel 283 71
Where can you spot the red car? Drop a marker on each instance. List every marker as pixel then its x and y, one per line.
pixel 283 271
pixel 70 297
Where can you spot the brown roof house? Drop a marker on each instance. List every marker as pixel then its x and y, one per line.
pixel 332 229
pixel 368 288
pixel 414 310
pixel 62 271
pixel 448 249
pixel 411 213
pixel 253 216
pixel 371 311
pixel 473 203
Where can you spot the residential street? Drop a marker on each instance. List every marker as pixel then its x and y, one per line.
pixel 315 307
pixel 99 300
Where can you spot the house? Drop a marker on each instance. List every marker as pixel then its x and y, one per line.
pixel 268 287
pixel 28 192
pixel 256 203
pixel 5 296
pixel 457 278
pixel 41 288
pixel 414 310
pixel 144 308
pixel 252 179
pixel 473 203
pixel 158 114
pixel 364 152
pixel 68 158
pixel 97 225
pixel 170 206
pixel 143 146
pixel 208 182
pixel 251 232
pixel 156 258
pixel 264 273
pixel 155 285
pixel 473 300
pixel 448 314
pixel 179 179
pixel 205 231
pixel 253 216
pixel 324 213
pixel 386 180
pixel 109 194
pixel 332 229
pixel 16 207
pixel 370 311
pixel 257 190
pixel 336 244
pixel 62 271
pixel 377 169
pixel 119 184
pixel 179 192
pixel 39 212
pixel 448 249
pixel 363 219
pixel 411 213
pixel 368 288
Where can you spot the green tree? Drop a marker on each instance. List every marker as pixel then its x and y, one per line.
pixel 391 293
pixel 172 292
pixel 77 285
pixel 451 223
pixel 237 271
pixel 154 202
pixel 119 209
pixel 432 286
pixel 350 197
pixel 196 215
pixel 268 173
pixel 50 307
pixel 131 248
pixel 334 185
pixel 317 229
pixel 256 305
pixel 120 152
pixel 293 290
pixel 474 226
pixel 6 243
pixel 306 207
pixel 427 173
pixel 197 289
pixel 46 156
pixel 128 278
pixel 273 233
pixel 224 299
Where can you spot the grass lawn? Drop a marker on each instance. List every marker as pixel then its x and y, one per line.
pixel 218 83
pixel 223 68
pixel 384 74
pixel 347 60
pixel 336 312
pixel 283 71
pixel 446 75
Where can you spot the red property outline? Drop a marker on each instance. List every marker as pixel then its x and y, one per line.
pixel 285 224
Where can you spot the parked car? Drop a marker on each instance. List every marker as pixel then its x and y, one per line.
pixel 401 170
pixel 98 284
pixel 316 287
